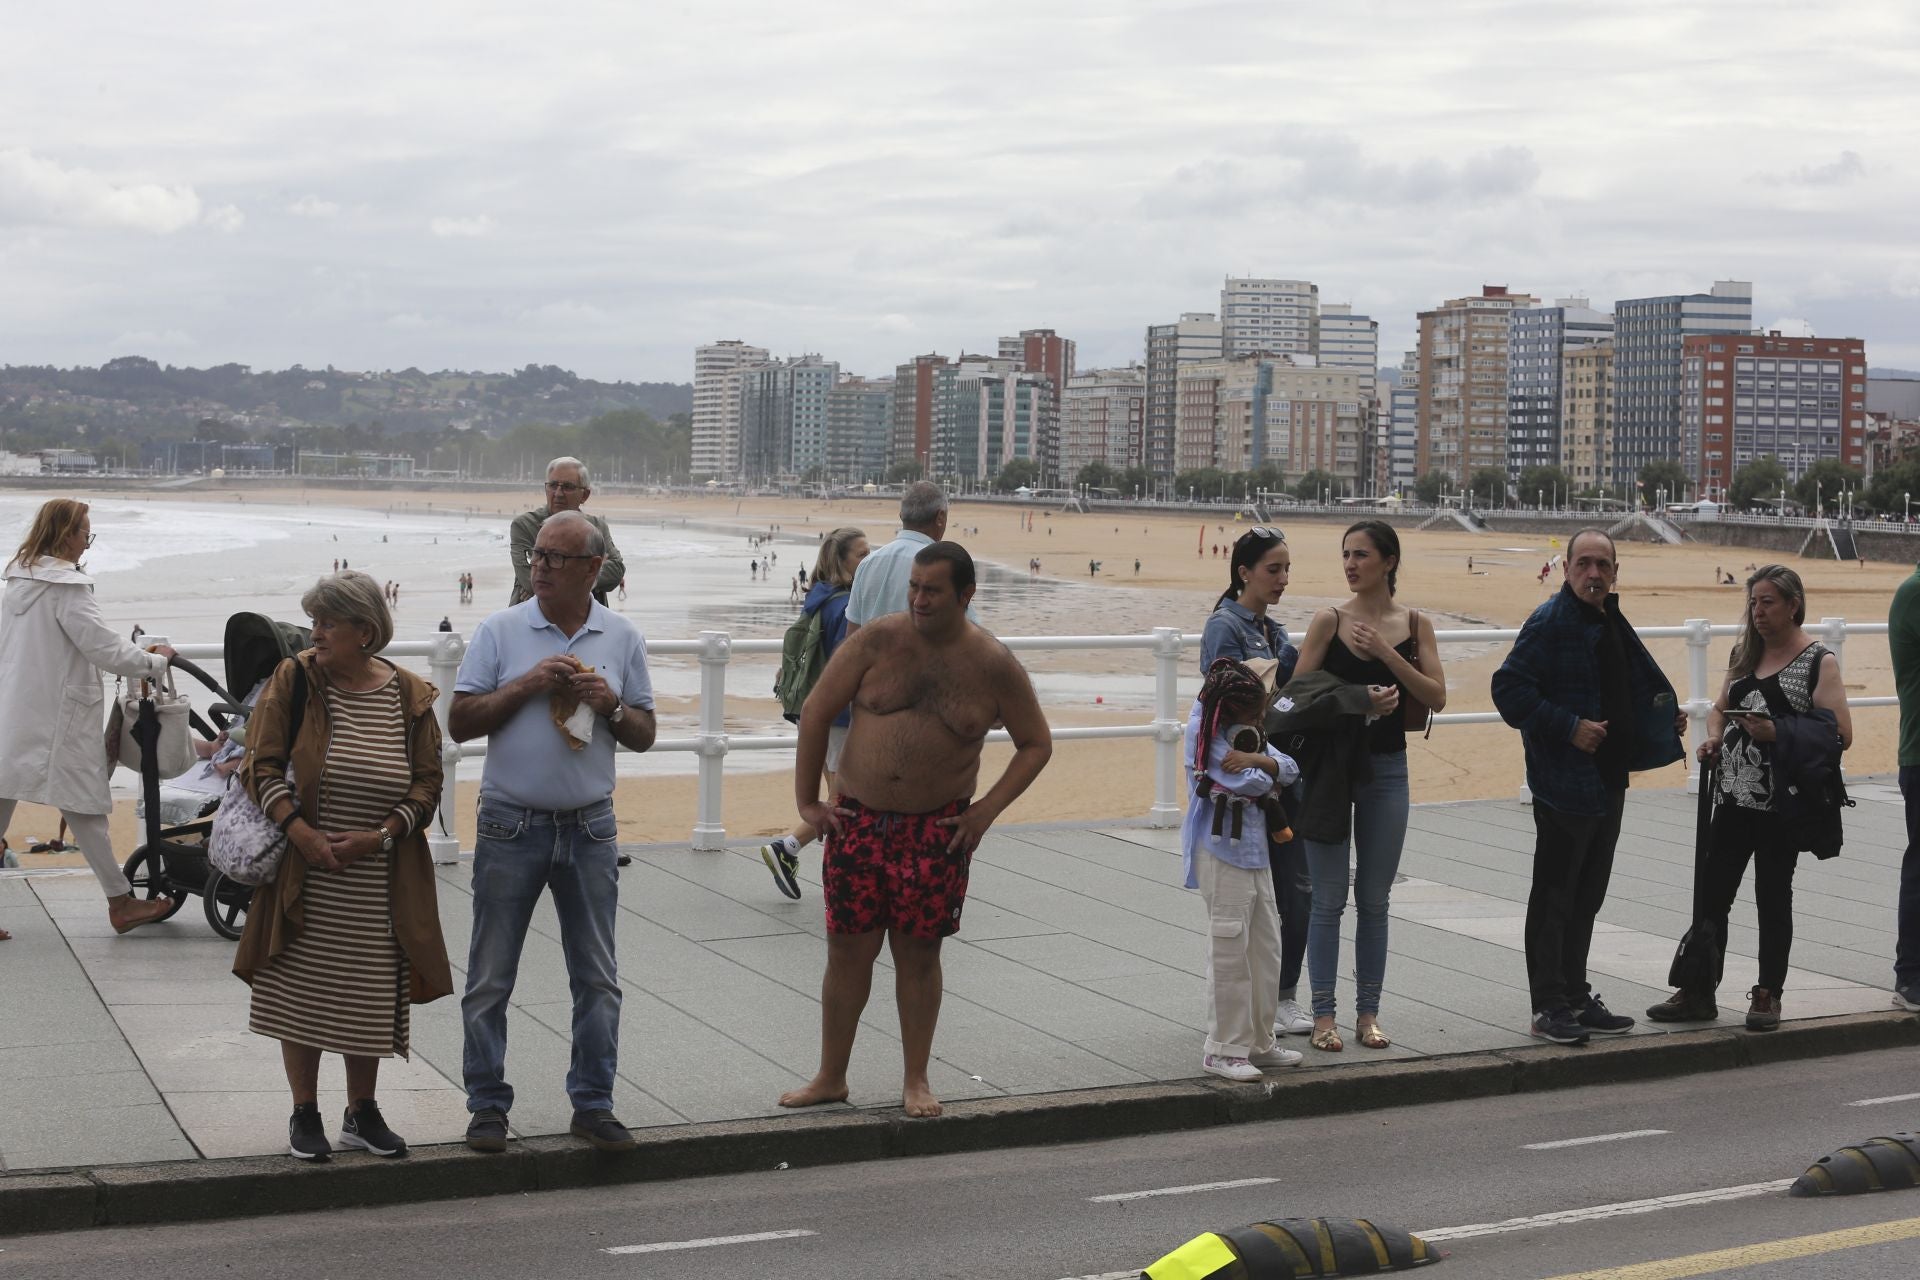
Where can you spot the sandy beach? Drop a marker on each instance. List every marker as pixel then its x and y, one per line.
pixel 675 594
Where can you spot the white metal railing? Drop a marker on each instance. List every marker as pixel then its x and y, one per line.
pixel 716 649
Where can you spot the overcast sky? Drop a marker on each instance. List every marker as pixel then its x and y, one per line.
pixel 604 185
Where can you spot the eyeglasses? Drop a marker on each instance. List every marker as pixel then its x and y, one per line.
pixel 553 559
pixel 562 487
pixel 1261 531
pixel 90 538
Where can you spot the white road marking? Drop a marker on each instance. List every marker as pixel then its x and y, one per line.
pixel 1874 1102
pixel 1598 1137
pixel 1181 1191
pixel 1625 1208
pixel 1111 1275
pixel 668 1246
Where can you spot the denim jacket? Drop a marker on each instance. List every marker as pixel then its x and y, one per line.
pixel 1235 631
pixel 1551 681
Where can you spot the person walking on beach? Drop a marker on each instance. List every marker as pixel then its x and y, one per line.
pixel 1242 626
pixel 568 487
pixel 546 819
pixel 925 686
pixel 53 647
pixel 1224 853
pixel 1370 640
pixel 346 936
pixel 1782 687
pixel 1903 637
pixel 840 555
pixel 1592 706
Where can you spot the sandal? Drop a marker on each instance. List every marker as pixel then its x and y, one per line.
pixel 1372 1036
pixel 1327 1038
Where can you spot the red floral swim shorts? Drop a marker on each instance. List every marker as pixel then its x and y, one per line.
pixel 893 871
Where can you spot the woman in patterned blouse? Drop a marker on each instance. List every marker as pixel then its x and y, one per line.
pixel 347 935
pixel 1777 668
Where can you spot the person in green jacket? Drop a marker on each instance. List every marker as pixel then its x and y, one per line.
pixel 568 488
pixel 1903 637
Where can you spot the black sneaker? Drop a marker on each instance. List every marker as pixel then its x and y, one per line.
pixel 1685 1006
pixel 784 865
pixel 1764 1014
pixel 487 1131
pixel 602 1130
pixel 1600 1020
pixel 1559 1026
pixel 306 1136
pixel 365 1129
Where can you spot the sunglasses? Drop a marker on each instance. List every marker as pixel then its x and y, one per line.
pixel 1261 531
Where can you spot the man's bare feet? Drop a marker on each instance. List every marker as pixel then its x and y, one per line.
pixel 814 1092
pixel 919 1101
pixel 128 913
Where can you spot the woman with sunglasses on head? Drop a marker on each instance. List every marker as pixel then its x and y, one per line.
pixel 1370 640
pixel 53 647
pixel 1781 684
pixel 1242 627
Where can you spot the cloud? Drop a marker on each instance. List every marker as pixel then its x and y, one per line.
pixel 34 189
pixel 473 228
pixel 142 341
pixel 1307 170
pixel 407 321
pixel 313 207
pixel 1848 168
pixel 226 219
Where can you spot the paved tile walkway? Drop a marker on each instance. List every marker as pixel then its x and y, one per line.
pixel 1080 964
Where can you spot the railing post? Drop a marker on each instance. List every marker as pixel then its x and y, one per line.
pixel 1699 696
pixel 1833 634
pixel 443 840
pixel 1168 729
pixel 709 827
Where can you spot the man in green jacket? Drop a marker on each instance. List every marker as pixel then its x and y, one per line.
pixel 1903 637
pixel 568 488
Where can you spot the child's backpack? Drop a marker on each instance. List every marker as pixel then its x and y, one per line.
pixel 803 656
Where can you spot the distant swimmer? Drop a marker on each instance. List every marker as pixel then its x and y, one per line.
pixel 569 485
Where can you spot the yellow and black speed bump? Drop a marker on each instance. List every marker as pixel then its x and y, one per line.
pixel 1878 1164
pixel 1293 1248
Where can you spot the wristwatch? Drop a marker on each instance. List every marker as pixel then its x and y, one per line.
pixel 386 840
pixel 618 714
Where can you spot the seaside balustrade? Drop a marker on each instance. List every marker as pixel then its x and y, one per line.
pixel 1169 646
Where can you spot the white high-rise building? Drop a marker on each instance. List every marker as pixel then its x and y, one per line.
pixel 1195 336
pixel 1348 341
pixel 1274 317
pixel 716 405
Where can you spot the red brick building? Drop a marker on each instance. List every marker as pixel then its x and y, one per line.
pixel 1744 396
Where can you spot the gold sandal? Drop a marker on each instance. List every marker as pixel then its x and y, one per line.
pixel 1372 1036
pixel 1327 1038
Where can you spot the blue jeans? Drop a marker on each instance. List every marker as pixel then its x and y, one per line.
pixel 520 852
pixel 1379 831
pixel 1906 956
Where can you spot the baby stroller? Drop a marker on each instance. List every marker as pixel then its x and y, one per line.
pixel 173 861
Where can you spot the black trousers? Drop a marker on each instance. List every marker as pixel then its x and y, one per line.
pixel 1293 894
pixel 1572 864
pixel 1740 836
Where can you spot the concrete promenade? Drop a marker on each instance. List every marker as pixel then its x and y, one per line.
pixel 1079 966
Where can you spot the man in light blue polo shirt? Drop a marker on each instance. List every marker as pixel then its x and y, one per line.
pixel 546 817
pixel 880 583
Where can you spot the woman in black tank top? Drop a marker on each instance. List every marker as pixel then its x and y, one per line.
pixel 1368 640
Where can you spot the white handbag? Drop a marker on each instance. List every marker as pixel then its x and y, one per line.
pixel 173 752
pixel 244 845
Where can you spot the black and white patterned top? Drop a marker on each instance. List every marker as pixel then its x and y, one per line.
pixel 1746 766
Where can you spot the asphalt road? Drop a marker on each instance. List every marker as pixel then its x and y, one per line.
pixel 1456 1170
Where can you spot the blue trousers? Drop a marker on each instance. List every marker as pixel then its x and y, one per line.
pixel 1379 833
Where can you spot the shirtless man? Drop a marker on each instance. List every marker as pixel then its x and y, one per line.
pixel 925 685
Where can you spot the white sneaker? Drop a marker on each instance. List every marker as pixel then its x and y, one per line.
pixel 1291 1020
pixel 1230 1068
pixel 1275 1057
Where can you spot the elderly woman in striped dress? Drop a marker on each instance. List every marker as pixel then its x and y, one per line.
pixel 347 935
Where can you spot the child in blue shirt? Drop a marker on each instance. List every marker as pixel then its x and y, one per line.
pixel 1224 847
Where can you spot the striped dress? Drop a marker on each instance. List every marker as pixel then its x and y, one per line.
pixel 341 985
